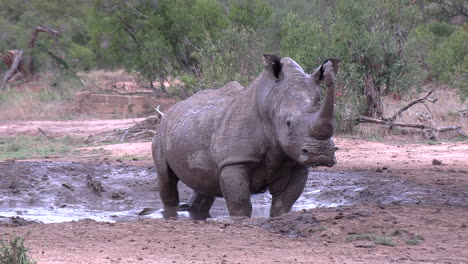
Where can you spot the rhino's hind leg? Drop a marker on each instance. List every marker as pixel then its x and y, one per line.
pixel 285 197
pixel 168 191
pixel 200 205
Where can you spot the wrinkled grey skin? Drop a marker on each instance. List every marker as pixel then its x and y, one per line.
pixel 236 141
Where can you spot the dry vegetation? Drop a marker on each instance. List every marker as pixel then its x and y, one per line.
pixel 51 98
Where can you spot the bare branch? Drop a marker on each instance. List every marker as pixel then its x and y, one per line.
pixel 366 119
pixel 159 111
pixel 420 127
pixel 416 101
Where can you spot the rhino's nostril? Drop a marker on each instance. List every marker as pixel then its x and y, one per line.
pixel 305 151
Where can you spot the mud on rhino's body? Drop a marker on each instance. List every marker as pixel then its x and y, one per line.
pixel 236 141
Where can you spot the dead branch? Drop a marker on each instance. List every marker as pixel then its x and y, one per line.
pixel 159 111
pixel 366 119
pixel 141 131
pixel 50 31
pixel 419 127
pixel 18 62
pixel 44 133
pixel 416 101
pixel 430 130
pixel 451 128
pixel 14 68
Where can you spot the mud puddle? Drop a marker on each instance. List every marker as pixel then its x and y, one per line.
pixel 51 192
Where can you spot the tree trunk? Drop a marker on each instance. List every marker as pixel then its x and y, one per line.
pixel 14 66
pixel 374 102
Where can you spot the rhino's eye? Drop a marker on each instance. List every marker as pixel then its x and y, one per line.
pixel 288 123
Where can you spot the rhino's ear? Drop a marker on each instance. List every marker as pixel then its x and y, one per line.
pixel 273 65
pixel 318 73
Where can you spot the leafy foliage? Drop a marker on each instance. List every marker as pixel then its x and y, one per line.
pixel 206 43
pixel 369 37
pixel 14 252
pixel 221 61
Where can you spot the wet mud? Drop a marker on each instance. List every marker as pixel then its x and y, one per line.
pixel 51 192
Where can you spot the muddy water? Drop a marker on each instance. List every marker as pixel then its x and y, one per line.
pixel 51 192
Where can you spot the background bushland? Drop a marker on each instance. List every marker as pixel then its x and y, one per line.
pixel 394 45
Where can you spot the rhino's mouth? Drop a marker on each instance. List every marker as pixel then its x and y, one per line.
pixel 317 161
pixel 318 153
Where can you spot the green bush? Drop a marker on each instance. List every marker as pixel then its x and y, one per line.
pixel 236 56
pixel 14 252
pixel 81 57
pixel 449 57
pixel 364 36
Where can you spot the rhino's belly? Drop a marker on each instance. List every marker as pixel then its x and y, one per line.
pixel 196 169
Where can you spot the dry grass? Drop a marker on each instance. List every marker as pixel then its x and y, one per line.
pixel 46 99
pixel 27 106
pixel 444 113
pixel 107 76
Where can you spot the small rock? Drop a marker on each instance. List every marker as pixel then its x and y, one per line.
pixel 68 186
pixel 436 162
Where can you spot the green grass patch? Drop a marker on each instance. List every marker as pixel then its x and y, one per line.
pixel 414 240
pixel 13 251
pixel 23 147
pixel 379 240
pixel 363 236
pixel 384 240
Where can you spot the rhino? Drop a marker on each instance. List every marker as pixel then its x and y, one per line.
pixel 234 141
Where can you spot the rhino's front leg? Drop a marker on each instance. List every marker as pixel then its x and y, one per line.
pixel 235 186
pixel 284 196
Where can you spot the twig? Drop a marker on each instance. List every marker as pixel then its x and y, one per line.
pixel 416 101
pixel 44 133
pixel 159 111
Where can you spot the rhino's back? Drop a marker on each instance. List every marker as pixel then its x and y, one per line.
pixel 186 136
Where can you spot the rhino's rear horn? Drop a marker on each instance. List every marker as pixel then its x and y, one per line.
pixel 273 65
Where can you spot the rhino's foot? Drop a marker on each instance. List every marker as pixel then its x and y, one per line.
pixel 196 215
pixel 170 212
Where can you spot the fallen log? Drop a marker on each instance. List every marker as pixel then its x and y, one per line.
pixel 429 130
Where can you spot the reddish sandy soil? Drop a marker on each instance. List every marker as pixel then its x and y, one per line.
pixel 432 230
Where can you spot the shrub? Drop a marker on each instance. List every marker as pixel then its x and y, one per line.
pixel 369 38
pixel 448 58
pixel 14 252
pixel 236 56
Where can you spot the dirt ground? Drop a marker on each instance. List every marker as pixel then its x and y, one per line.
pixel 429 226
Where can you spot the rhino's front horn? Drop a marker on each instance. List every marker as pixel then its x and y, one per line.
pixel 322 127
pixel 330 68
